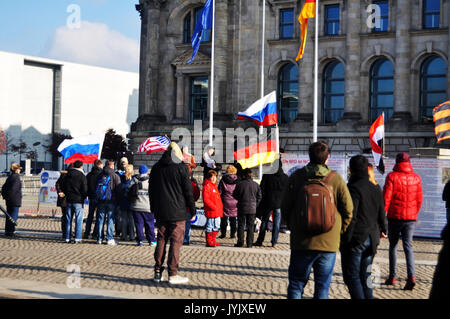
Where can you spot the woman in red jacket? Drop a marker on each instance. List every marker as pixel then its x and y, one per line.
pixel 213 208
pixel 402 201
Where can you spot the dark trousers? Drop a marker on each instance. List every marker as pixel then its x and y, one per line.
pixel 143 220
pixel 63 221
pixel 90 218
pixel 248 219
pixel 172 232
pixel 13 211
pixel 127 224
pixel 224 224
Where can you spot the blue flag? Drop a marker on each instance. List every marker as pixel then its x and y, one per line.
pixel 204 22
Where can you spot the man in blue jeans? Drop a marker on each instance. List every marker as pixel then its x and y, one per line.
pixel 75 188
pixel 314 252
pixel 12 194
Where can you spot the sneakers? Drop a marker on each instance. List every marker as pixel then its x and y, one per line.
pixel 158 275
pixel 99 242
pixel 390 281
pixel 153 243
pixel 178 280
pixel 111 242
pixel 67 241
pixel 77 241
pixel 139 244
pixel 410 283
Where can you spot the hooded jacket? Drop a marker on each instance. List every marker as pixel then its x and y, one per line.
pixel 170 190
pixel 142 202
pixel 273 187
pixel 402 193
pixel 211 200
pixel 248 195
pixel 75 186
pixel 226 188
pixel 327 242
pixel 92 181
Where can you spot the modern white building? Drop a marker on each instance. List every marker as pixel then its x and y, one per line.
pixel 40 96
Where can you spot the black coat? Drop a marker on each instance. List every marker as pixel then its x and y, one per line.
pixel 12 190
pixel 441 278
pixel 369 218
pixel 273 187
pixel 61 201
pixel 75 187
pixel 92 181
pixel 170 190
pixel 248 193
pixel 446 195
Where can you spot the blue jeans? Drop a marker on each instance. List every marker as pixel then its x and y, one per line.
pixel 275 227
pixel 77 210
pixel 212 225
pixel 356 270
pixel 106 210
pixel 405 229
pixel 90 218
pixel 300 266
pixel 13 211
pixel 187 231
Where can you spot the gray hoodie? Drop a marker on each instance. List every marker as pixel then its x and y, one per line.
pixel 142 203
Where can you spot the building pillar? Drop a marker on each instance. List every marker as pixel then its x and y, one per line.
pixel 179 111
pixel 221 57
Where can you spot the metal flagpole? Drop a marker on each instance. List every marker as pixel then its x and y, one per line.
pixel 261 128
pixel 316 74
pixel 211 97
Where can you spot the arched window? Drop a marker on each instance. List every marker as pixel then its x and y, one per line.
pixel 288 93
pixel 433 86
pixel 381 89
pixel 333 96
pixel 189 26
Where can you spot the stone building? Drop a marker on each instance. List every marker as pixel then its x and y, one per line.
pixel 397 65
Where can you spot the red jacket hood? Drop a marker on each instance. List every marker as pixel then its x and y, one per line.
pixel 403 167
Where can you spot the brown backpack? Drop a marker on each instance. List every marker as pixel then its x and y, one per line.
pixel 318 209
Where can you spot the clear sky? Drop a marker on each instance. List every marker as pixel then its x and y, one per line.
pixel 107 35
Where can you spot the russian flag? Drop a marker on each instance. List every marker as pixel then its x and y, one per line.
pixel 263 112
pixel 85 148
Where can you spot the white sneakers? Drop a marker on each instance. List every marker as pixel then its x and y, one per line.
pixel 178 280
pixel 111 242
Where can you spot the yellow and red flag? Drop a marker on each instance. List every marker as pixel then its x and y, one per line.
pixel 308 11
pixel 259 153
pixel 441 118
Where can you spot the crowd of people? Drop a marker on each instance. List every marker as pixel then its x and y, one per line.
pixel 323 213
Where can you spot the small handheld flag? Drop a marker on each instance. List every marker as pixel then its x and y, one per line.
pixel 441 118
pixel 204 22
pixel 263 112
pixel 154 144
pixel 376 135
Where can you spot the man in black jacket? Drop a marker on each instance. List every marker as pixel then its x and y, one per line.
pixel 76 190
pixel 272 189
pixel 92 185
pixel 248 194
pixel 170 192
pixel 12 194
pixel 360 241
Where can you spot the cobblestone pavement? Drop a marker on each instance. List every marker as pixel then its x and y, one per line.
pixel 39 255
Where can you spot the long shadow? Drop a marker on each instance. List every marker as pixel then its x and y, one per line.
pixel 64 296
pixel 244 267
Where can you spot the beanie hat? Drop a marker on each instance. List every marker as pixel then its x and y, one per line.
pixel 402 157
pixel 143 169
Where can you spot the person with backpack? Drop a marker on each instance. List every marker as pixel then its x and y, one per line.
pixel 248 195
pixel 92 183
pixel 140 206
pixel 127 224
pixel 317 208
pixel 12 194
pixel 213 208
pixel 359 243
pixel 76 190
pixel 272 188
pixel 106 195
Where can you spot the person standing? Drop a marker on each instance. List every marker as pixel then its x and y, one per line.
pixel 121 168
pixel 92 183
pixel 170 192
pixel 140 206
pixel 446 198
pixel 359 243
pixel 188 159
pixel 196 193
pixel 12 194
pixel 310 250
pixel 272 188
pixel 61 201
pixel 127 224
pixel 76 190
pixel 248 195
pixel 208 162
pixel 213 208
pixel 108 186
pixel 230 211
pixel 403 199
pixel 441 277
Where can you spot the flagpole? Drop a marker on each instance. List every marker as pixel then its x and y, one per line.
pixel 261 129
pixel 211 98
pixel 316 74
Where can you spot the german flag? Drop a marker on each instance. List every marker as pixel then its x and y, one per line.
pixel 259 153
pixel 441 118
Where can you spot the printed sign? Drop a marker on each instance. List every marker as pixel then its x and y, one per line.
pixel 47 193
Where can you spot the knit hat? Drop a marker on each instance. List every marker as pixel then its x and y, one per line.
pixel 402 157
pixel 143 169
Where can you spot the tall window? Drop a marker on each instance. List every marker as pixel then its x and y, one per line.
pixel 286 23
pixel 332 19
pixel 384 16
pixel 333 97
pixel 431 14
pixel 433 86
pixel 199 98
pixel 189 26
pixel 288 93
pixel 381 89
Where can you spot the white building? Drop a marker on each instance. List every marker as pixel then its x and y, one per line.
pixel 39 96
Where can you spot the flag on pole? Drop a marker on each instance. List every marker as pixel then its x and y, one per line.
pixel 84 148
pixel 376 135
pixel 204 22
pixel 256 154
pixel 308 11
pixel 441 118
pixel 3 142
pixel 154 144
pixel 263 112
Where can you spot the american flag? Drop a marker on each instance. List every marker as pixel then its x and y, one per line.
pixel 154 144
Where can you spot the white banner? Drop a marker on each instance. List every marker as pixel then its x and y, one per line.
pixel 47 193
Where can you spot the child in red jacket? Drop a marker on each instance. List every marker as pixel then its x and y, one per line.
pixel 213 208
